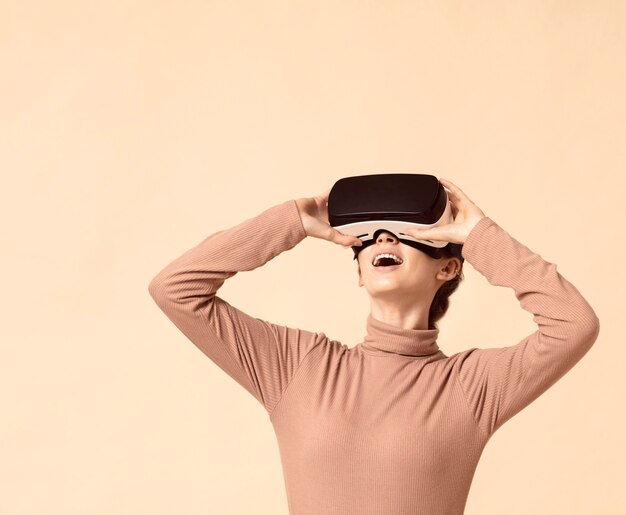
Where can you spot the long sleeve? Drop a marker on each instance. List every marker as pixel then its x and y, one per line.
pixel 261 356
pixel 499 382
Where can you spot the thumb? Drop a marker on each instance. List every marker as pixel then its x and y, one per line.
pixel 448 233
pixel 345 239
pixel 427 233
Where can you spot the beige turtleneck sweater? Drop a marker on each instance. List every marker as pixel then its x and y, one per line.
pixel 391 426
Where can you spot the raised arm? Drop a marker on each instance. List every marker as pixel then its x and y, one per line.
pixel 500 382
pixel 261 356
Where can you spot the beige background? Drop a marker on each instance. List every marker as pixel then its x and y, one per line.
pixel 132 130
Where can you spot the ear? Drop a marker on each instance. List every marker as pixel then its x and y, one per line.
pixel 451 265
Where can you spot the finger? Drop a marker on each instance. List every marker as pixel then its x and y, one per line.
pixel 453 200
pixel 458 199
pixel 455 192
pixel 324 206
pixel 325 194
pixel 346 240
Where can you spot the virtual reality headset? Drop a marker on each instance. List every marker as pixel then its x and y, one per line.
pixel 365 205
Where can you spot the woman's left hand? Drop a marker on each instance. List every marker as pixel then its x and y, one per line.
pixel 466 215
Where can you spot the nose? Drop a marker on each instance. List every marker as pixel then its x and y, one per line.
pixel 385 236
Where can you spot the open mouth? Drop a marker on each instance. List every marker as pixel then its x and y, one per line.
pixel 386 262
pixel 387 268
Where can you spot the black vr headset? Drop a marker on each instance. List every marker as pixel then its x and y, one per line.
pixel 365 205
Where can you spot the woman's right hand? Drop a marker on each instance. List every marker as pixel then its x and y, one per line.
pixel 314 216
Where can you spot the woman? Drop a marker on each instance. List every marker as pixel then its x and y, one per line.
pixel 417 295
pixel 392 425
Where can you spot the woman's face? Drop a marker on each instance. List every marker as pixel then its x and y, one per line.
pixel 417 276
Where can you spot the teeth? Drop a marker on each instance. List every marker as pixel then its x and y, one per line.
pixel 392 256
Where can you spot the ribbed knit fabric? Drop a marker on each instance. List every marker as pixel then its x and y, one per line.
pixel 391 426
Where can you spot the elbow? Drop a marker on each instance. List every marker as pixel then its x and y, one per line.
pixel 585 322
pixel 592 323
pixel 157 290
pixel 594 330
pixel 588 330
pixel 167 292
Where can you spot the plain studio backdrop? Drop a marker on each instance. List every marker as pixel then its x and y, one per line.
pixel 130 131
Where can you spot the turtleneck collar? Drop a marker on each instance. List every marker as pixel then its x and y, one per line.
pixel 409 342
